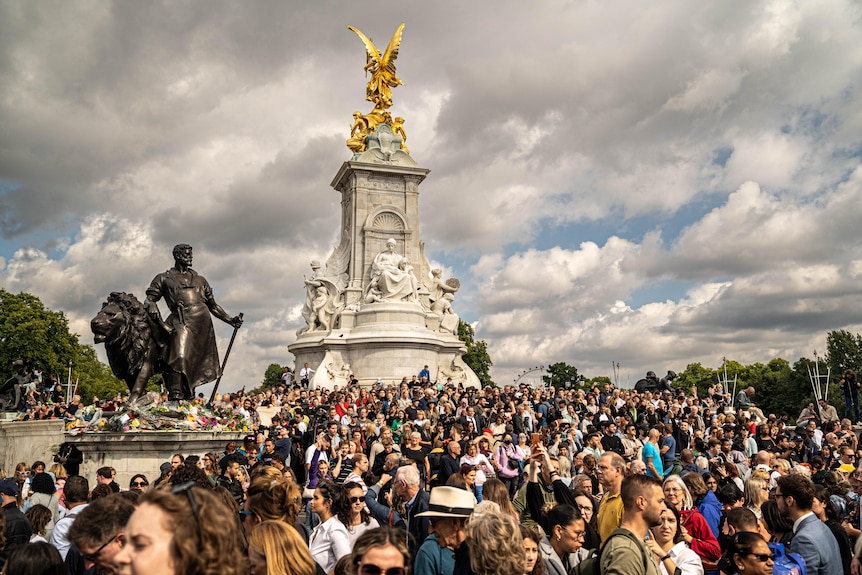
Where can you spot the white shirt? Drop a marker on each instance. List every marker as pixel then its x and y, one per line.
pixel 309 455
pixel 686 560
pixel 60 535
pixel 356 530
pixel 329 542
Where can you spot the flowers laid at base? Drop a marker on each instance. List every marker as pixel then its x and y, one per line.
pixel 165 416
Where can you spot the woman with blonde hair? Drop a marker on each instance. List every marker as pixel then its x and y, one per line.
pixel 274 548
pixel 272 500
pixel 22 478
pixel 495 543
pixel 181 531
pixel 756 492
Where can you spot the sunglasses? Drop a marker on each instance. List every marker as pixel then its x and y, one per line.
pixel 139 483
pixel 375 570
pixel 762 557
pixel 356 499
pixel 94 556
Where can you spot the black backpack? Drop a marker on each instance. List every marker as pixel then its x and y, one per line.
pixel 592 563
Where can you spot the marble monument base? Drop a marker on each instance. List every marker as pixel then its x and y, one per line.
pixel 387 341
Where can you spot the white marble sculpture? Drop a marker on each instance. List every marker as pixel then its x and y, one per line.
pixel 454 371
pixel 438 287
pixel 322 298
pixel 392 278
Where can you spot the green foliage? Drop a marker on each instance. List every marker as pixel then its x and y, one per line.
pixel 29 329
pixel 778 386
pixel 696 375
pixel 843 352
pixel 599 380
pixel 562 374
pixel 95 378
pixel 272 376
pixel 477 354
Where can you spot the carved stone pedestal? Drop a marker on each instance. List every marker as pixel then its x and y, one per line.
pixel 368 332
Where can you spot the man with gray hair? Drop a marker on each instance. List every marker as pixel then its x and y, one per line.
pixel 405 487
pixel 416 501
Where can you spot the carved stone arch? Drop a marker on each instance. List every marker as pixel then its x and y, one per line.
pixel 387 219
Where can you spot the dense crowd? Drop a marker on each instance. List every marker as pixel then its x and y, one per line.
pixel 440 480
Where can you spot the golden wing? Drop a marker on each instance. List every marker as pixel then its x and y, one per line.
pixel 370 49
pixel 392 50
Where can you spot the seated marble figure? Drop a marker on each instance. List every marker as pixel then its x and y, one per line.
pixel 392 278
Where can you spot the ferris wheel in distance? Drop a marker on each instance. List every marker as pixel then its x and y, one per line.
pixel 533 377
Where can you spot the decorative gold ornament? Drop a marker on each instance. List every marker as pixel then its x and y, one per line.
pixel 379 91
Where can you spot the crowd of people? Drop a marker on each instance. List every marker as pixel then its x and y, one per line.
pixel 441 480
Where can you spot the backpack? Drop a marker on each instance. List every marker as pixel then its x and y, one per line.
pixel 592 563
pixel 786 563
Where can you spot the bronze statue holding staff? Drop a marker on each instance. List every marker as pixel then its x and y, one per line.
pixel 191 356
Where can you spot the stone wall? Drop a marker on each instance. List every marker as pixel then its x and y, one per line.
pixel 29 441
pixel 128 453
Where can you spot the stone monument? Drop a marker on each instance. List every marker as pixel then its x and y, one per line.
pixel 376 309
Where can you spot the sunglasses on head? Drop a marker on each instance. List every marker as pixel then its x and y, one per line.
pixel 375 570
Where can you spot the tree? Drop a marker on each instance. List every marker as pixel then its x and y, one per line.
pixel 563 375
pixel 272 376
pixel 96 378
pixel 843 352
pixel 477 357
pixel 696 375
pixel 29 330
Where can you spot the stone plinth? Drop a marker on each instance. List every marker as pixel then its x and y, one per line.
pixel 128 453
pixel 144 451
pixel 29 441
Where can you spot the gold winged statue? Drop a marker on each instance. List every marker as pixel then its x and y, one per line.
pixel 382 69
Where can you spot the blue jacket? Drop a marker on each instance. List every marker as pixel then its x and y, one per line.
pixel 710 508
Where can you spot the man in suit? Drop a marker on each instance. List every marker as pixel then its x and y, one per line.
pixel 416 502
pixel 812 539
pixel 477 420
pixel 449 463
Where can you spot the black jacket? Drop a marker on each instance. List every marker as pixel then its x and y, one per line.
pixel 449 466
pixel 232 485
pixel 18 530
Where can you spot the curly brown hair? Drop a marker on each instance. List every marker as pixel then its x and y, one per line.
pixel 203 542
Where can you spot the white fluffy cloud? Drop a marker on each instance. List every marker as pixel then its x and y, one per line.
pixel 656 185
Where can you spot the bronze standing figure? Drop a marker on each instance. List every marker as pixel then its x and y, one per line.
pixel 191 357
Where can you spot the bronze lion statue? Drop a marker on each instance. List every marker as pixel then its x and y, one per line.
pixel 133 349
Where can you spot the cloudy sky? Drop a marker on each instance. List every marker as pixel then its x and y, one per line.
pixel 645 183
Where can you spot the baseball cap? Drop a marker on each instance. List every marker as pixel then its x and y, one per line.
pixel 9 487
